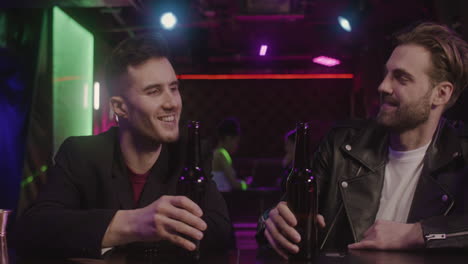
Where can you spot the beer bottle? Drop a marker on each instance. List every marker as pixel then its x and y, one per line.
pixel 302 197
pixel 192 181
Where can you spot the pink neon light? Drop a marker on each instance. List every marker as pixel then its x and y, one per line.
pixel 263 50
pixel 326 61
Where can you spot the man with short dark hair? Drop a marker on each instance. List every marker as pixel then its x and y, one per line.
pixel 119 187
pixel 398 182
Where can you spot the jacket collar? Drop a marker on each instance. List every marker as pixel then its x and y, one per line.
pixel 123 186
pixel 105 152
pixel 445 146
pixel 369 146
pixel 156 182
pixel 109 162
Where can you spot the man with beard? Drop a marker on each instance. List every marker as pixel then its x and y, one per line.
pixel 398 182
pixel 119 187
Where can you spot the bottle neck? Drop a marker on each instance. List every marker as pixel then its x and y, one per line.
pixel 301 155
pixel 193 145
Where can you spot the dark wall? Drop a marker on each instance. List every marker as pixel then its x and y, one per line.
pixel 266 109
pixel 19 41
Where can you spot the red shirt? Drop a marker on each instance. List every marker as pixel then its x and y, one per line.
pixel 138 182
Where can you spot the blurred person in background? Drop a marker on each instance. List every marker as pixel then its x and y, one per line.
pixel 287 161
pixel 228 132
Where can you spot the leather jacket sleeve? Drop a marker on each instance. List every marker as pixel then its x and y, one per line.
pixel 451 230
pixel 446 231
pixel 55 224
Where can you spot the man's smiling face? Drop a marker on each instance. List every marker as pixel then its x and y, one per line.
pixel 152 100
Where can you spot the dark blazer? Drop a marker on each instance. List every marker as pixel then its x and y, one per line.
pixel 86 187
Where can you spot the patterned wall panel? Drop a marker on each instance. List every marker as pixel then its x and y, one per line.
pixel 266 109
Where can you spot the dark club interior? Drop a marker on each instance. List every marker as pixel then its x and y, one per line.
pixel 263 64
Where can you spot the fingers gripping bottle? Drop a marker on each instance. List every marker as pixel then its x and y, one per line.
pixel 192 181
pixel 302 196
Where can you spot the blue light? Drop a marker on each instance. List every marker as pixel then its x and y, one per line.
pixel 344 23
pixel 168 20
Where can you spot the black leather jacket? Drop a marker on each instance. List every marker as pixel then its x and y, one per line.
pixel 350 165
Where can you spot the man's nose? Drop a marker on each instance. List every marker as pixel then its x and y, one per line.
pixel 170 100
pixel 385 86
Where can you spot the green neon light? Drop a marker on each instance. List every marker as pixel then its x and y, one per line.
pixel 27 181
pixel 243 185
pixel 3 29
pixel 73 62
pixel 31 178
pixel 226 155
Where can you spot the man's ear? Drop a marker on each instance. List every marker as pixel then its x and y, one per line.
pixel 118 106
pixel 442 93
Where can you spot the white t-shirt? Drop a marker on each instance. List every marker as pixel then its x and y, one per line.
pixel 402 173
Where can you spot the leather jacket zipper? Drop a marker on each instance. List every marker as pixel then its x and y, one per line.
pixel 444 236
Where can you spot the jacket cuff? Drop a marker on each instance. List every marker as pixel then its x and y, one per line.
pixel 438 234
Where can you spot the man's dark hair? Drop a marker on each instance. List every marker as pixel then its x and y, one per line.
pixel 133 52
pixel 228 127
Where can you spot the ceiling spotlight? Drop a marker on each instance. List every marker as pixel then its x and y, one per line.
pixel 168 20
pixel 344 23
pixel 263 50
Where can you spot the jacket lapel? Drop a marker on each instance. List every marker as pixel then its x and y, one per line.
pixel 120 179
pixel 155 185
pixel 445 147
pixel 103 161
pixel 168 168
pixel 369 150
pixel 123 186
pixel 443 151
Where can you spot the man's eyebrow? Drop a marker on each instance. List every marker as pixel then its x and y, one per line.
pixel 403 73
pixel 152 86
pixel 398 71
pixel 159 85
